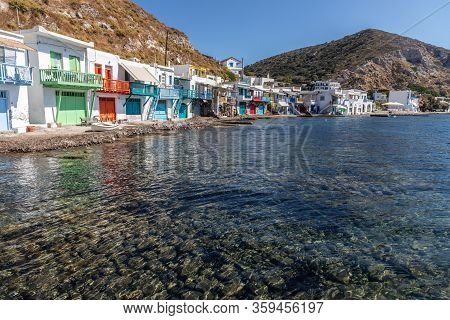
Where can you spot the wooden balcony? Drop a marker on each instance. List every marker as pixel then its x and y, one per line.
pixel 116 86
pixel 16 74
pixel 60 78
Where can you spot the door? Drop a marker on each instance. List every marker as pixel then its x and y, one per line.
pixel 261 109
pixel 3 112
pixel 74 64
pixel 56 60
pixel 160 111
pixel 252 109
pixel 242 109
pixel 108 73
pixel 73 107
pixel 133 107
pixel 107 109
pixel 183 111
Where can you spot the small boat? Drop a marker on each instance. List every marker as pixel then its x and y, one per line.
pixel 101 127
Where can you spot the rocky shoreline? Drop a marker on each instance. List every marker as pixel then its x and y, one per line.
pixel 71 137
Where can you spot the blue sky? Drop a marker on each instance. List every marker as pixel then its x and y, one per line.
pixel 257 29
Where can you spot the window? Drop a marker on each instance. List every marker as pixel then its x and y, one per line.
pixel 322 98
pixel 98 69
pixel 7 56
pixel 74 64
pixel 170 80
pixel 56 60
pixel 231 64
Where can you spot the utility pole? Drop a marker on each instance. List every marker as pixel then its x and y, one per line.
pixel 167 48
pixel 18 19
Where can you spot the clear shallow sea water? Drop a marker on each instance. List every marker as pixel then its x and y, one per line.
pixel 341 208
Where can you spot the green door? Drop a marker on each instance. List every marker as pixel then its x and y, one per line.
pixel 56 60
pixel 74 63
pixel 73 107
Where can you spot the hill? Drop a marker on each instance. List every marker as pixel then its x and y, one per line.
pixel 370 59
pixel 119 26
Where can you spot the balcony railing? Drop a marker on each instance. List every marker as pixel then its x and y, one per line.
pixel 191 94
pixel 16 74
pixel 116 86
pixel 206 95
pixel 194 94
pixel 257 98
pixel 142 89
pixel 169 93
pixel 62 78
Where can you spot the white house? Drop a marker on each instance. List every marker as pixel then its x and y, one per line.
pixel 197 88
pixel 379 97
pixel 170 100
pixel 110 101
pixel 233 64
pixel 325 85
pixel 15 78
pixel 324 96
pixel 407 98
pixel 357 102
pixel 142 102
pixel 63 90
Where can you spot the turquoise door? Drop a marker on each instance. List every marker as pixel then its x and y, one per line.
pixel 242 109
pixel 183 111
pixel 161 111
pixel 3 114
pixel 261 109
pixel 133 107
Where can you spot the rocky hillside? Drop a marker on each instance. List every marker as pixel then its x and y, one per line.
pixel 118 26
pixel 370 59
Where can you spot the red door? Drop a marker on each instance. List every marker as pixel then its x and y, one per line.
pixel 107 109
pixel 252 109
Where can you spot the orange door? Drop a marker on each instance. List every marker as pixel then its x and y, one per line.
pixel 107 109
pixel 110 85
